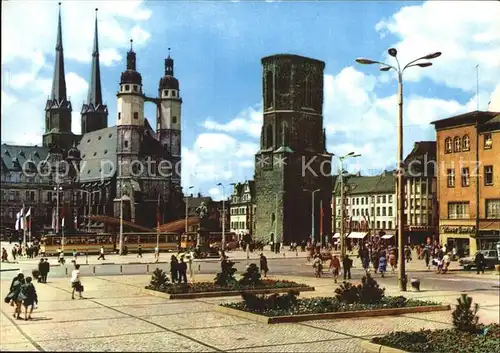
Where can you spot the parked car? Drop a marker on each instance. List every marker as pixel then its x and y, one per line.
pixel 490 257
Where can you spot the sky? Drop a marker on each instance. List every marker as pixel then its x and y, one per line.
pixel 217 47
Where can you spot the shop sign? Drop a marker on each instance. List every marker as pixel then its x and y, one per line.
pixel 458 229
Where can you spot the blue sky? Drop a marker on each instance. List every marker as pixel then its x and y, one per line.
pixel 217 47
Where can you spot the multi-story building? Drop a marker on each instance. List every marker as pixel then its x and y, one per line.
pixel 370 205
pixel 292 161
pixel 421 212
pixel 468 150
pixel 242 211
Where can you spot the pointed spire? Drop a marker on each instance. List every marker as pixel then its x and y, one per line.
pixel 95 93
pixel 59 81
pixel 169 65
pixel 131 57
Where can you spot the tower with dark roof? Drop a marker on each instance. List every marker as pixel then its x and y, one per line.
pixel 94 112
pixel 169 117
pixel 58 135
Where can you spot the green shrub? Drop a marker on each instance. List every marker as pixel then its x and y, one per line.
pixel 465 318
pixel 369 291
pixel 251 277
pixel 226 276
pixel 275 301
pixel 159 280
pixel 347 293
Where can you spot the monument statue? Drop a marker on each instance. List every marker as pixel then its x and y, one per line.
pixel 202 210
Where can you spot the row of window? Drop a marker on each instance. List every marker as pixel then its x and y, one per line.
pixel 238 210
pixel 238 225
pixel 126 88
pixel 380 225
pixel 364 200
pixel 244 197
pixel 465 176
pixel 458 144
pixel 460 210
pixel 381 211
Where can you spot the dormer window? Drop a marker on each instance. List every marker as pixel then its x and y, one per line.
pixel 121 88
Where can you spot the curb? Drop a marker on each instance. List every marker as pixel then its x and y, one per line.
pixel 232 293
pixel 10 269
pixel 328 316
pixel 370 347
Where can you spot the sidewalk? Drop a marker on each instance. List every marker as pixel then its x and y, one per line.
pixel 119 315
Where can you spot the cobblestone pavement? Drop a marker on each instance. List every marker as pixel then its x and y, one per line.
pixel 117 314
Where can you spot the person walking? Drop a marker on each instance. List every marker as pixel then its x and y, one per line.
pixel 76 282
pixel 335 267
pixel 392 261
pixel 263 264
pixel 382 264
pixel 407 254
pixel 479 260
pixel 40 271
pixel 14 252
pixel 174 268
pixel 28 297
pixel 75 255
pixel 139 251
pixel 13 296
pixel 182 271
pixel 101 254
pixel 375 259
pixel 317 265
pixel 427 257
pixel 347 264
pixel 446 262
pixel 46 270
pixel 4 255
pixel 157 254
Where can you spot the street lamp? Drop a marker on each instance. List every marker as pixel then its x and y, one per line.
pixel 186 201
pixel 120 246
pixel 400 186
pixel 57 189
pixel 223 217
pixel 312 211
pixel 342 201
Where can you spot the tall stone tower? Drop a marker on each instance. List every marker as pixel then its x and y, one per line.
pixel 94 112
pixel 130 131
pixel 292 156
pixel 58 135
pixel 169 118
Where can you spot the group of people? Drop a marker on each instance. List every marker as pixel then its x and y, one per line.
pixel 22 292
pixel 18 250
pixel 178 269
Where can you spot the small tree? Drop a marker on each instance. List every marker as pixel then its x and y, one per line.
pixel 226 276
pixel 369 291
pixel 464 317
pixel 251 277
pixel 347 293
pixel 159 280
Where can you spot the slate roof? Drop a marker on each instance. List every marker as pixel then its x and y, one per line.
pixel 98 153
pixel 425 153
pixel 14 157
pixel 378 184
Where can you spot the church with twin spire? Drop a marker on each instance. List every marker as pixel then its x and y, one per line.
pixel 128 166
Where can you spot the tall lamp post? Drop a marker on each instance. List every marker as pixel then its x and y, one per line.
pixel 223 245
pixel 400 183
pixel 120 248
pixel 342 201
pixel 186 201
pixel 312 211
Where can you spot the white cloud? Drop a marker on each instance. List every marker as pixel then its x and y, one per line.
pixel 467 33
pixel 248 121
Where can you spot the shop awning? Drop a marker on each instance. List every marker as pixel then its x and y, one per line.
pixel 357 235
pixel 336 235
pixel 387 236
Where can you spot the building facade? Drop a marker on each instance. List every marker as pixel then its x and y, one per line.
pixel 421 206
pixel 242 209
pixel 129 164
pixel 468 150
pixel 370 204
pixel 292 157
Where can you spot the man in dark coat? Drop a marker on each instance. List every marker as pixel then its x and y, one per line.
pixel 347 264
pixel 479 260
pixel 40 270
pixel 46 270
pixel 182 268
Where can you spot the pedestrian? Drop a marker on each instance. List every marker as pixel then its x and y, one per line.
pixel 182 271
pixel 61 258
pixel 479 260
pixel 407 254
pixel 375 259
pixel 392 261
pixel 75 254
pixel 13 296
pixel 446 262
pixel 263 265
pixel 101 254
pixel 335 267
pixel 14 252
pixel 157 254
pixel 347 264
pixel 382 264
pixel 426 256
pixel 317 265
pixel 174 268
pixel 46 270
pixel 28 297
pixel 139 251
pixel 76 282
pixel 4 255
pixel 40 271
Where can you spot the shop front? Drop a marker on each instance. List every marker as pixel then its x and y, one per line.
pixel 460 237
pixel 487 239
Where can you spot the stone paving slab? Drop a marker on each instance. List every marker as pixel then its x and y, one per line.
pixel 10 335
pixel 234 337
pixel 18 347
pixel 167 309
pixel 149 342
pixel 189 321
pixel 69 315
pixel 327 346
pixel 136 300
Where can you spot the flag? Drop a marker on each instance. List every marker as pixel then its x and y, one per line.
pixel 22 218
pixel 62 216
pixel 28 214
pixel 18 220
pixel 53 218
pixel 28 221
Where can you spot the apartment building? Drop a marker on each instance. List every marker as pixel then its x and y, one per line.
pixel 468 150
pixel 242 209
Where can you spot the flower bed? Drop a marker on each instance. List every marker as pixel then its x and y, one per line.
pixel 486 339
pixel 202 287
pixel 321 305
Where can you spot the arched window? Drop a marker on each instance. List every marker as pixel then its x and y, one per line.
pixel 307 92
pixel 457 143
pixel 448 146
pixel 284 136
pixel 465 143
pixel 269 136
pixel 269 90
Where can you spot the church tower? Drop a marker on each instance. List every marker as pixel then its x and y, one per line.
pixel 130 129
pixel 58 135
pixel 292 161
pixel 94 112
pixel 169 118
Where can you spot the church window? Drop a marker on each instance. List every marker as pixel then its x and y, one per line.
pixel 121 88
pixel 127 87
pixel 174 120
pixel 99 137
pixel 165 93
pixel 173 94
pixel 136 115
pixel 269 89
pixel 125 144
pixel 105 151
pixel 269 136
pixel 135 88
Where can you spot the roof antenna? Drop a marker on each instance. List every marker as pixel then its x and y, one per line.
pixel 131 41
pixel 477 87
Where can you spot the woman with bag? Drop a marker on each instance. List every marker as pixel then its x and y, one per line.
pixel 76 284
pixel 13 296
pixel 29 297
